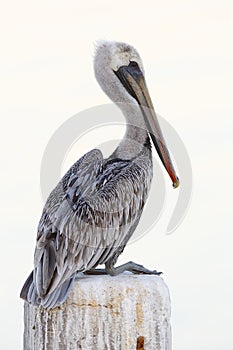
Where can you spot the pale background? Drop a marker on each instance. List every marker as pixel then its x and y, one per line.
pixel 47 76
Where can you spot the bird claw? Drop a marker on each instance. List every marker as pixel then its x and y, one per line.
pixel 157 272
pixel 146 272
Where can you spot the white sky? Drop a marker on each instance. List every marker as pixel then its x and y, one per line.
pixel 47 76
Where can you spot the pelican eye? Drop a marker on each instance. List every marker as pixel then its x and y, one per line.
pixel 133 64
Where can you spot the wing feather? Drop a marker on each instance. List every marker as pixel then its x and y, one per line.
pixel 87 217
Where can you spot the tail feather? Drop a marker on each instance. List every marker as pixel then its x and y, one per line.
pixel 26 287
pixel 49 301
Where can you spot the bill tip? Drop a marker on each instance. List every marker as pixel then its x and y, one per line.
pixel 176 183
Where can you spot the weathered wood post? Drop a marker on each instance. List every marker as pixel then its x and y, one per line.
pixel 127 312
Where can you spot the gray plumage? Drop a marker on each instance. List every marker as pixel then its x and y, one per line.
pixel 93 211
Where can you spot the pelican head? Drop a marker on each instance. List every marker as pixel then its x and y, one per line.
pixel 109 58
pixel 120 73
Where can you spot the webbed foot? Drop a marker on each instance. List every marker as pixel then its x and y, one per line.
pixel 129 266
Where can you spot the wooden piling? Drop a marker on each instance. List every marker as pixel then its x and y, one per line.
pixel 127 312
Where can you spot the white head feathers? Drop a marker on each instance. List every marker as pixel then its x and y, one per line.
pixel 109 57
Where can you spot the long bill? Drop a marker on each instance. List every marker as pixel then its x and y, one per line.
pixel 133 80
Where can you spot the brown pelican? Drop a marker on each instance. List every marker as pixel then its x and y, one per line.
pixel 93 211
